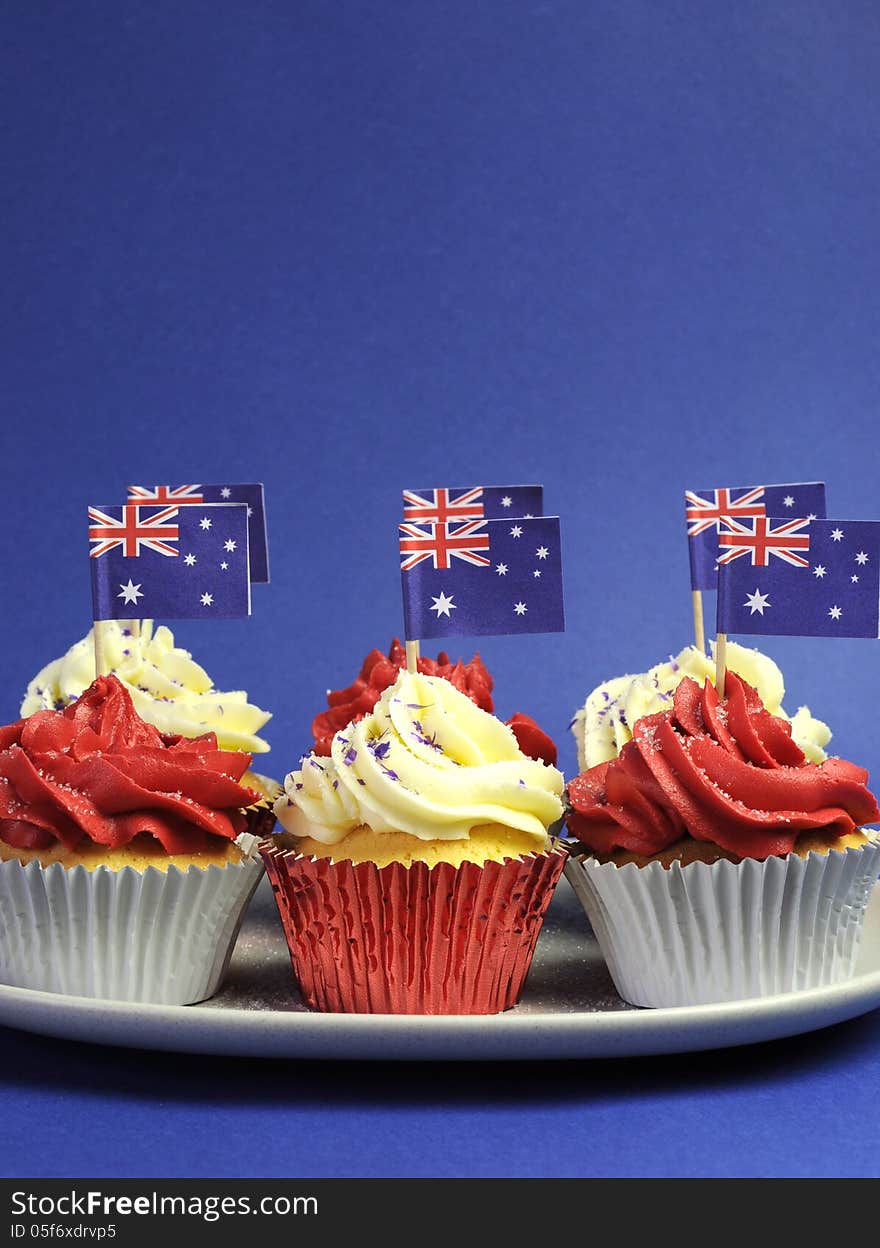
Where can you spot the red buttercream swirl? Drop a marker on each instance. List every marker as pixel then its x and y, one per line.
pixel 379 671
pixel 96 772
pixel 726 771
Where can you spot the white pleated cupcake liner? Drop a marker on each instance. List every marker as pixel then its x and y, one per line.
pixel 164 937
pixel 725 931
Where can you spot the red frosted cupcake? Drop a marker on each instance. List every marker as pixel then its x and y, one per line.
pixel 126 860
pixel 716 862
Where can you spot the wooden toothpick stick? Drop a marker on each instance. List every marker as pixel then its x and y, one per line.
pixel 412 656
pixel 720 662
pixel 699 628
pixel 101 668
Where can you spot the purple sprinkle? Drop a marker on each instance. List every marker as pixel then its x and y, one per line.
pixel 350 757
pixel 379 751
pixel 336 784
pixel 315 763
pixel 298 786
pixel 361 781
pixel 522 783
pixel 392 775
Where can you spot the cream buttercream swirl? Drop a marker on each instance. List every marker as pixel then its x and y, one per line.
pixel 603 726
pixel 168 688
pixel 427 761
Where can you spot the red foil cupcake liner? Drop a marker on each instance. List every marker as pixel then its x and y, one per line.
pixel 411 940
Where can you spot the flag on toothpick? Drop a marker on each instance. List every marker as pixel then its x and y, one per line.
pixel 707 510
pixel 170 562
pixel 800 578
pixel 446 504
pixel 478 577
pixel 251 494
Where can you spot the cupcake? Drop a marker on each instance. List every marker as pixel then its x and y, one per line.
pixel 126 862
pixel 603 725
pixel 379 671
pixel 715 861
pixel 168 690
pixel 418 859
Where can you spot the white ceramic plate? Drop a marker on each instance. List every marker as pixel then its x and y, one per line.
pixel 569 1009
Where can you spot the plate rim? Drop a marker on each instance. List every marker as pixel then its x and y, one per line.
pixel 222 1030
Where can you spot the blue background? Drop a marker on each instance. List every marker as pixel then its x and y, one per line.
pixel 619 248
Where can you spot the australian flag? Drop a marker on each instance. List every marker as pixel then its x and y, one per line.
pixel 706 511
pixel 446 504
pixel 476 577
pixel 170 562
pixel 800 578
pixel 194 495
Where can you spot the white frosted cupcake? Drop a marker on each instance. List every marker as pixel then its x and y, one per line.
pixel 167 687
pixel 604 724
pixel 418 860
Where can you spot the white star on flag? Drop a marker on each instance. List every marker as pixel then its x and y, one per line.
pixel 542 552
pixel 207 600
pixel 861 557
pixel 501 569
pixel 854 579
pixel 230 545
pixel 757 602
pixel 189 560
pixel 506 501
pixel 818 570
pixel 537 572
pixel 205 523
pixel 516 531
pixel 788 501
pixel 225 492
pixel 520 608
pixel 442 605
pixel 835 613
pixel 224 565
pixel 836 535
pixel 130 592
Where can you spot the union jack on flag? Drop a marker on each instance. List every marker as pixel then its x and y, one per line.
pixel 250 493
pixel 761 539
pixel 446 504
pixel 442 543
pixel 180 495
pixel 709 513
pixel 439 506
pixel 132 531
